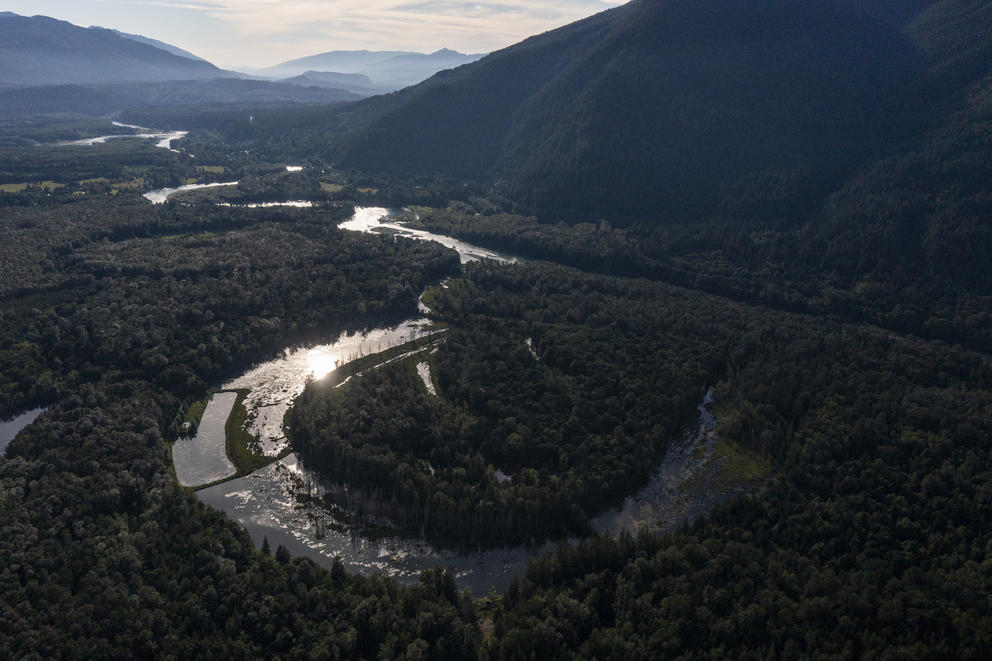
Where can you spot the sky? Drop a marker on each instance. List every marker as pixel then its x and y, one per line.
pixel 243 34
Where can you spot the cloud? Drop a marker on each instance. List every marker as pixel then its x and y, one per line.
pixel 176 5
pixel 422 25
pixel 264 32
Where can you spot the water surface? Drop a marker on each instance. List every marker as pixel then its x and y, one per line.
pixel 12 427
pixel 282 503
pixel 376 220
pixel 162 194
pixel 164 138
pixel 299 204
pixel 666 502
pixel 276 383
pixel 273 503
pixel 203 458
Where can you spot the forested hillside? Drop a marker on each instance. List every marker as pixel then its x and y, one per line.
pixel 665 109
pixel 783 204
pixel 825 155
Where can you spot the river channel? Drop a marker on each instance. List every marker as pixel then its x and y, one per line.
pixel 277 502
pixel 162 194
pixel 164 138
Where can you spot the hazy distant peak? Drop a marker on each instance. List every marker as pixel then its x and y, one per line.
pixel 387 70
pixel 355 83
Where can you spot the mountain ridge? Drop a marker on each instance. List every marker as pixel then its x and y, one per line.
pixel 389 70
pixel 356 83
pixel 764 90
pixel 40 50
pixel 169 48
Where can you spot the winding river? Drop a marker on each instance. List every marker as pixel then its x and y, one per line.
pixel 162 194
pixel 276 502
pixel 164 138
pixel 378 221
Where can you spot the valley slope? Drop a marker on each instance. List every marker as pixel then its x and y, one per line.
pixel 39 50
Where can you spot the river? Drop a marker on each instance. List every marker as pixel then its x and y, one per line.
pixel 278 502
pixel 160 195
pixel 376 220
pixel 164 138
pixel 203 458
pixel 274 385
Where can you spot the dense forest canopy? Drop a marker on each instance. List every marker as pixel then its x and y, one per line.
pixel 784 203
pixel 555 396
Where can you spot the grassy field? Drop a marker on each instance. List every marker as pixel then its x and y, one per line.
pixel 194 413
pixel 19 187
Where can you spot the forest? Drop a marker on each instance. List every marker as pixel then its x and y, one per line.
pixel 115 314
pixel 557 396
pixel 827 282
pixel 879 515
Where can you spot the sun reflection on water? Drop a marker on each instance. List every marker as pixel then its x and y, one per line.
pixel 321 362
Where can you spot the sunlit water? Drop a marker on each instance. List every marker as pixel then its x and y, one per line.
pixel 203 458
pixel 424 370
pixel 377 220
pixel 162 194
pixel 281 501
pixel 299 204
pixel 12 427
pixel 275 384
pixel 164 138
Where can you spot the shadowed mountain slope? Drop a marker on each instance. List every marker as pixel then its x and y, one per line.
pixel 668 108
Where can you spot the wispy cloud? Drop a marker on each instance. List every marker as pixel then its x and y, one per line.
pixel 176 5
pixel 307 26
pixel 432 18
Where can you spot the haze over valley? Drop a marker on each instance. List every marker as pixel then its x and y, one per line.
pixel 567 330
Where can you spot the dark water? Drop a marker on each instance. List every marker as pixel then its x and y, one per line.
pixel 12 427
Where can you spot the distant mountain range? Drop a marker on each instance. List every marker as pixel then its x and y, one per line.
pixel 355 83
pixel 387 70
pixel 39 50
